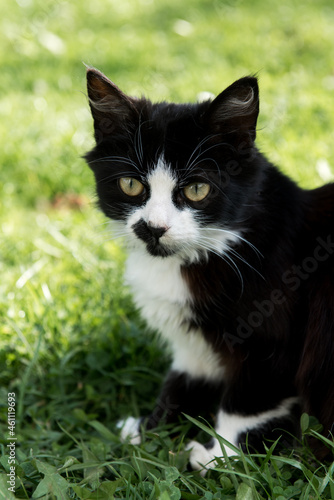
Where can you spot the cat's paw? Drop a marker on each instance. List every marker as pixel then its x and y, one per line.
pixel 130 430
pixel 203 457
pixel 200 457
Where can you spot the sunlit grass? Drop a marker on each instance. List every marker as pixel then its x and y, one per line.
pixel 72 347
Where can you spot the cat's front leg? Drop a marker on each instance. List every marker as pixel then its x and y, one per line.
pixel 244 431
pixel 181 393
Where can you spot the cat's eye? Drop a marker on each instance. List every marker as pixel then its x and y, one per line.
pixel 196 191
pixel 131 186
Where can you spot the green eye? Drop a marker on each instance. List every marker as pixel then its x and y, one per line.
pixel 131 186
pixel 196 191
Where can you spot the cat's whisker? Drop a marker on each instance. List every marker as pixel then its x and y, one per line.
pixel 225 257
pixel 188 172
pixel 124 173
pixel 138 143
pixel 238 256
pixel 236 235
pixel 115 233
pixel 198 147
pixel 109 230
pixel 230 250
pixel 122 210
pixel 118 159
pixel 106 223
pixel 190 164
pixel 197 150
pixel 121 160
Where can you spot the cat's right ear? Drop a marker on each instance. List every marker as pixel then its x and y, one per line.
pixel 111 109
pixel 235 111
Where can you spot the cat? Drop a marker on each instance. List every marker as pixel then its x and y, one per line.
pixel 228 259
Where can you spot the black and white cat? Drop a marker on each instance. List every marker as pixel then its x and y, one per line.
pixel 227 258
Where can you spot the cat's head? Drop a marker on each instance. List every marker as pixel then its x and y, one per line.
pixel 176 177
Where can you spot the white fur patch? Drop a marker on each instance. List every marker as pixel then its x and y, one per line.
pixel 130 430
pixel 160 211
pixel 163 297
pixel 230 427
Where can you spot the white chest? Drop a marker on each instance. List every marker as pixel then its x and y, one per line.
pixel 163 297
pixel 158 291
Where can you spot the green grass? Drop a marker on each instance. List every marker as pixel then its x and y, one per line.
pixel 72 347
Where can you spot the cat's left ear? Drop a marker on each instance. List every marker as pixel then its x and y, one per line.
pixel 112 110
pixel 235 111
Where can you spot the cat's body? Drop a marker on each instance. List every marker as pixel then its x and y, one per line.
pixel 228 259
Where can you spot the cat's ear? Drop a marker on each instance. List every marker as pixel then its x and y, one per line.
pixel 235 111
pixel 111 109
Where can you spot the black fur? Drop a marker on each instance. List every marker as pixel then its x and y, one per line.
pixel 274 328
pixel 184 394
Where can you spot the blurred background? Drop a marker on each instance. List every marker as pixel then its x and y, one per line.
pixel 70 341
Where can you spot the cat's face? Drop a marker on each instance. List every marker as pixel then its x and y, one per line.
pixel 174 177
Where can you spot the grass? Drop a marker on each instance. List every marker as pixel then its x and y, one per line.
pixel 72 347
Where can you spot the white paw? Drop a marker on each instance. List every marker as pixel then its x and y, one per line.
pixel 203 459
pixel 130 430
pixel 200 458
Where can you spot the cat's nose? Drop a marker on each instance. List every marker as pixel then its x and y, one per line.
pixel 157 232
